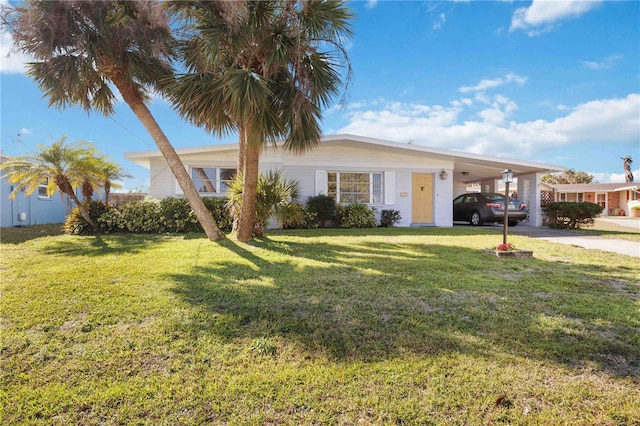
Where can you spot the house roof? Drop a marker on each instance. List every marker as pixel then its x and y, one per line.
pixel 468 167
pixel 595 187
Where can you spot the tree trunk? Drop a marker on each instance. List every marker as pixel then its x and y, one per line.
pixel 107 191
pixel 242 143
pixel 65 187
pixel 133 98
pixel 249 191
pixel 83 210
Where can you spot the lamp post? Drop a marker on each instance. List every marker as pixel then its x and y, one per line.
pixel 507 178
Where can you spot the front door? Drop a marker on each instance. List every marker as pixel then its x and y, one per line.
pixel 422 196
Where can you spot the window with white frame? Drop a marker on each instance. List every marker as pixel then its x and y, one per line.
pixel 43 193
pixel 212 180
pixel 571 197
pixel 356 187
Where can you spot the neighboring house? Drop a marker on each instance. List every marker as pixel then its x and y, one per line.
pixel 416 180
pixel 615 198
pixel 35 209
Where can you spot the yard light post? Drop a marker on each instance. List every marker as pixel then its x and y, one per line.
pixel 507 178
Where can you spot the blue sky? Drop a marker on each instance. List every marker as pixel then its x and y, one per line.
pixel 548 81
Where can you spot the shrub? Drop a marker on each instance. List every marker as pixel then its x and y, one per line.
pixel 357 216
pixel 567 215
pixel 323 208
pixel 75 224
pixel 300 218
pixel 147 216
pixel 218 207
pixel 140 217
pixel 274 196
pixel 177 216
pixel 388 218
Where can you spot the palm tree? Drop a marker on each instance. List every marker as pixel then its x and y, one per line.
pixel 111 172
pixel 274 196
pixel 264 68
pixel 82 46
pixel 63 166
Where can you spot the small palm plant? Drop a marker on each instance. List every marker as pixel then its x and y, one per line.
pixel 64 166
pixel 276 197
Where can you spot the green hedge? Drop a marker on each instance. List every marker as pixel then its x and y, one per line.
pixel 147 217
pixel 567 215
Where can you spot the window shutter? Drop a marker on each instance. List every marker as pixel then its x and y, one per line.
pixel 321 182
pixel 389 187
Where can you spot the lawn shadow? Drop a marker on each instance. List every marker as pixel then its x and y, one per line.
pixel 21 234
pixel 384 300
pixel 102 245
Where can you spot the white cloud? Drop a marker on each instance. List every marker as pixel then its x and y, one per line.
pixel 607 63
pixel 25 131
pixel 371 4
pixel 541 15
pixel 607 121
pixel 11 61
pixel 439 22
pixel 613 177
pixel 496 82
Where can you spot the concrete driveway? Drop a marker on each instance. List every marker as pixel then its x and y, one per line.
pixel 629 248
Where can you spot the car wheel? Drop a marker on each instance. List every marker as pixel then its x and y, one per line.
pixel 475 220
pixel 513 223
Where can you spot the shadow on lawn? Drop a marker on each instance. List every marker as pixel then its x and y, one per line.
pixel 383 300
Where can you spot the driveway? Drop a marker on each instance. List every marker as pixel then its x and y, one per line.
pixel 629 248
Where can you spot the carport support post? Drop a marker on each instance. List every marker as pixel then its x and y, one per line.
pixel 507 177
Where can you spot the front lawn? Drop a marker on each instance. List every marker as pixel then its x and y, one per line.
pixel 382 326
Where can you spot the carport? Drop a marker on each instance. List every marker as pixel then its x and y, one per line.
pixel 486 174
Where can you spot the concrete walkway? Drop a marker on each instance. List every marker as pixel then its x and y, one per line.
pixel 627 222
pixel 629 248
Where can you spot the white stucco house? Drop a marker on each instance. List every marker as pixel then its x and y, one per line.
pixel 416 180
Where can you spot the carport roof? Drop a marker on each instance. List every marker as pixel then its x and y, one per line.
pixel 467 167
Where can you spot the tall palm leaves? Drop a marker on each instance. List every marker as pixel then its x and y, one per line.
pixel 63 166
pixel 83 46
pixel 265 68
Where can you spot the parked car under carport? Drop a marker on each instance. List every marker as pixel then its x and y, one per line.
pixel 478 208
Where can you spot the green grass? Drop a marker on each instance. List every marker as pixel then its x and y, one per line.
pixel 613 230
pixel 383 326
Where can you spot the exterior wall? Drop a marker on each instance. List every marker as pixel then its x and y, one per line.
pixel 397 167
pixel 613 201
pixel 627 202
pixel 490 185
pixel 590 197
pixel 348 159
pixel 38 210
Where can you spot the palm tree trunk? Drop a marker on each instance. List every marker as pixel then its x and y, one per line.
pixel 242 143
pixel 132 97
pixel 249 191
pixel 83 210
pixel 65 188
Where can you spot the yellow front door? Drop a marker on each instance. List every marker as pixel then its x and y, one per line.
pixel 422 195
